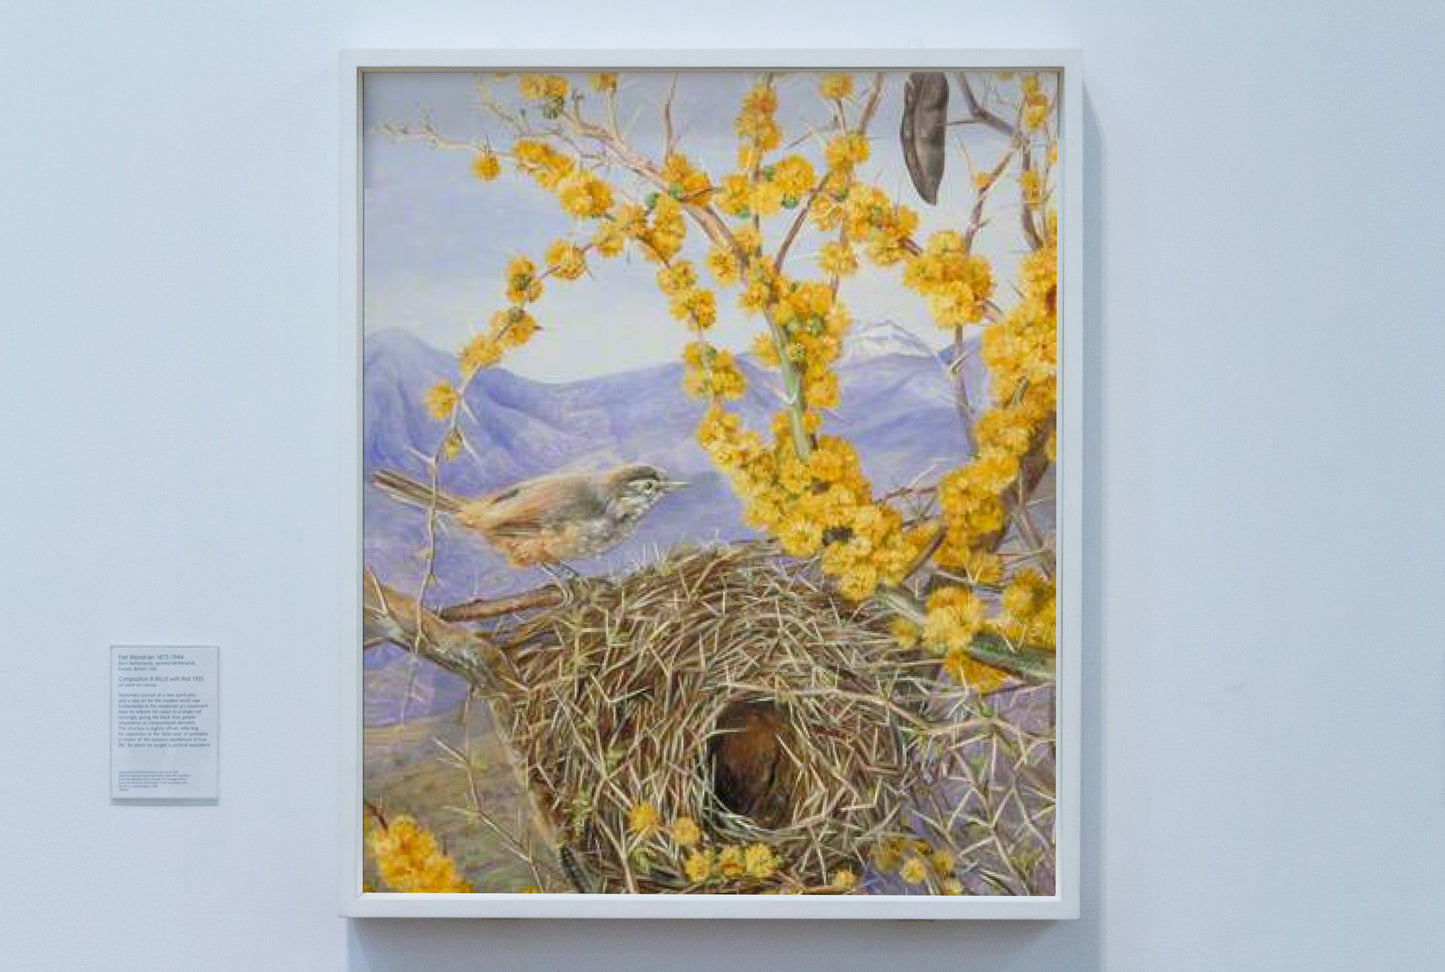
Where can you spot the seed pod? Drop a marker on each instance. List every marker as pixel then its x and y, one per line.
pixel 925 120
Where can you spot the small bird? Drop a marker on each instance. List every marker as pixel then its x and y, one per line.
pixel 547 521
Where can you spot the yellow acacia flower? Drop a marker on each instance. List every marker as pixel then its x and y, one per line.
pixel 952 886
pixel 583 195
pixel 794 176
pixel 887 854
pixel 677 277
pixel 954 617
pixel 942 861
pixel 685 832
pixel 565 260
pixel 441 401
pixel 478 353
pixel 698 866
pixel 523 284
pixel 845 152
pixel 758 861
pixel 967 671
pixel 957 284
pixel 542 162
pixel 453 444
pixel 512 327
pixel 409 860
pixel 683 181
pixel 913 871
pixel 604 82
pixel 834 86
pixel 542 87
pixel 723 263
pixel 730 862
pixel 1031 183
pixel 845 879
pixel 837 259
pixel 642 820
pixel 485 166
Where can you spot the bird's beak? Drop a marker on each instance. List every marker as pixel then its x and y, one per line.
pixel 669 485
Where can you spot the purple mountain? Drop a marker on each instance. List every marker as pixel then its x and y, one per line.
pixel 896 407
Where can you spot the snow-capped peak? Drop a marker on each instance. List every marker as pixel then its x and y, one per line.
pixel 879 339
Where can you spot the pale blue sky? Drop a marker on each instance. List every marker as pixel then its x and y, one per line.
pixel 437 239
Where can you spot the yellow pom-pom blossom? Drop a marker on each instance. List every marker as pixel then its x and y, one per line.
pixel 542 87
pixel 604 82
pixel 755 127
pixel 642 820
pixel 485 166
pixel 837 259
pixel 542 162
pixel 845 879
pixel 835 86
pixel 913 871
pixel 699 866
pixel 1029 610
pixel 956 283
pixel 409 860
pixel 685 832
pixel 584 195
pixel 709 372
pixel 883 226
pixel 523 284
pixel 1036 103
pixel 955 615
pixel 730 862
pixel 441 401
pixel 684 182
pixel 758 861
pixel 565 260
pixel 845 152
pixel 794 177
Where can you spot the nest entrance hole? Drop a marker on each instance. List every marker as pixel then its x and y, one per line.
pixel 752 771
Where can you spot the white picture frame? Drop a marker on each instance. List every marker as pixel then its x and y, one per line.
pixel 354 902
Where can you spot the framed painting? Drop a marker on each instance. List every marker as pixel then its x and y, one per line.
pixel 711 485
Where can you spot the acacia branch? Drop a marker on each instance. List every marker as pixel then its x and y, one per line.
pixel 390 616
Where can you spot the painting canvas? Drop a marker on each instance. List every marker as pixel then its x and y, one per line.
pixel 708 444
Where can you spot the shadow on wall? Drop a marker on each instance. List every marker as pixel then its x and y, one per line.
pixel 397 944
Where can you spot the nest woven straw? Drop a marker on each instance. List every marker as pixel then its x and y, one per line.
pixel 630 685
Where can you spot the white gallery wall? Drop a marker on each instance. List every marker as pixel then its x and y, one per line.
pixel 1265 630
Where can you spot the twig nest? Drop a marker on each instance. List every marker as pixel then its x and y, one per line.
pixel 716 721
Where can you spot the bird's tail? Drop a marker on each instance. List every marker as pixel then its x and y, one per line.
pixel 413 493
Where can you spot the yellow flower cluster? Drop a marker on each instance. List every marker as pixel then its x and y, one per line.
pixel 1020 352
pixel 659 231
pixel 1036 103
pixel 542 87
pixel 565 260
pixel 548 89
pixel 642 820
pixel 834 86
pixel 409 860
pixel 956 283
pixel 604 82
pixel 684 182
pixel 1031 187
pixel 686 300
pixel 1029 610
pixel 846 152
pixel 881 225
pixel 441 401
pixel 709 372
pixel 485 166
pixel 917 863
pixel 730 863
pixel 837 259
pixel 584 195
pixel 755 126
pixel 782 185
pixel 542 162
pixel 955 615
pixel 523 284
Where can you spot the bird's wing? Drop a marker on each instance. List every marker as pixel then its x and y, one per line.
pixel 532 506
